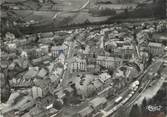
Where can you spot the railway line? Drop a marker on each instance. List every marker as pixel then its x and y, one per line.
pixel 135 94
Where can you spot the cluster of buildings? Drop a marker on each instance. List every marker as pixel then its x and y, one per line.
pixel 96 62
pixel 112 48
pixel 91 85
pixel 34 68
pixel 94 106
pixel 125 50
pixel 154 40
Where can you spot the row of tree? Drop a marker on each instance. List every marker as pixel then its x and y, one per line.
pixel 159 100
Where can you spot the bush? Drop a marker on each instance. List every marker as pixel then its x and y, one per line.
pixel 102 12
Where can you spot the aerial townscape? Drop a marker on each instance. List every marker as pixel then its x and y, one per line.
pixel 95 58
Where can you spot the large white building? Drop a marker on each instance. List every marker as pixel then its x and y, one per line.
pixel 78 65
pixel 156 49
pixel 108 62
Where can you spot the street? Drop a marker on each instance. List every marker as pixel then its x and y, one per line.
pixel 66 71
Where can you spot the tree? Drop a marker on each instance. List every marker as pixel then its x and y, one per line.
pixel 159 9
pixel 5 86
pixel 149 59
pixel 57 104
pixel 111 71
pixel 121 112
pixel 164 42
pixel 159 96
pixel 135 111
pixel 143 108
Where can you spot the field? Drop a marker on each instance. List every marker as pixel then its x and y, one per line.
pixel 84 16
pixel 68 5
pixel 46 13
pixel 61 12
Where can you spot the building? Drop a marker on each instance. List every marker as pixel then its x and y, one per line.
pixel 40 60
pixel 44 48
pixel 90 58
pixel 78 65
pixel 84 65
pixel 36 92
pixel 156 49
pixel 120 49
pixel 159 38
pixel 98 103
pixel 106 92
pixel 110 45
pixel 108 62
pixel 85 112
pixel 5 55
pixel 88 85
pixel 60 95
pixel 31 52
pixel 24 54
pixel 56 74
pixel 46 40
pixel 124 52
pixel 31 73
pixel 46 35
pixel 105 78
pixel 61 58
pixel 98 85
pixel 42 73
pixel 165 59
pixel 37 52
pixel 69 91
pixel 144 56
pixel 12 46
pixel 94 106
pixel 9 36
pixel 57 50
pixel 23 42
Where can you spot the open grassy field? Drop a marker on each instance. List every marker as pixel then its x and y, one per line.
pixel 68 5
pixel 64 13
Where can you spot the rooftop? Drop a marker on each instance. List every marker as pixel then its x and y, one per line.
pixel 127 47
pixel 63 47
pixel 32 72
pixel 118 6
pixel 60 94
pixel 97 101
pixel 107 58
pixel 160 36
pixel 76 59
pixel 104 76
pixel 155 44
pixel 85 111
pixel 97 83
